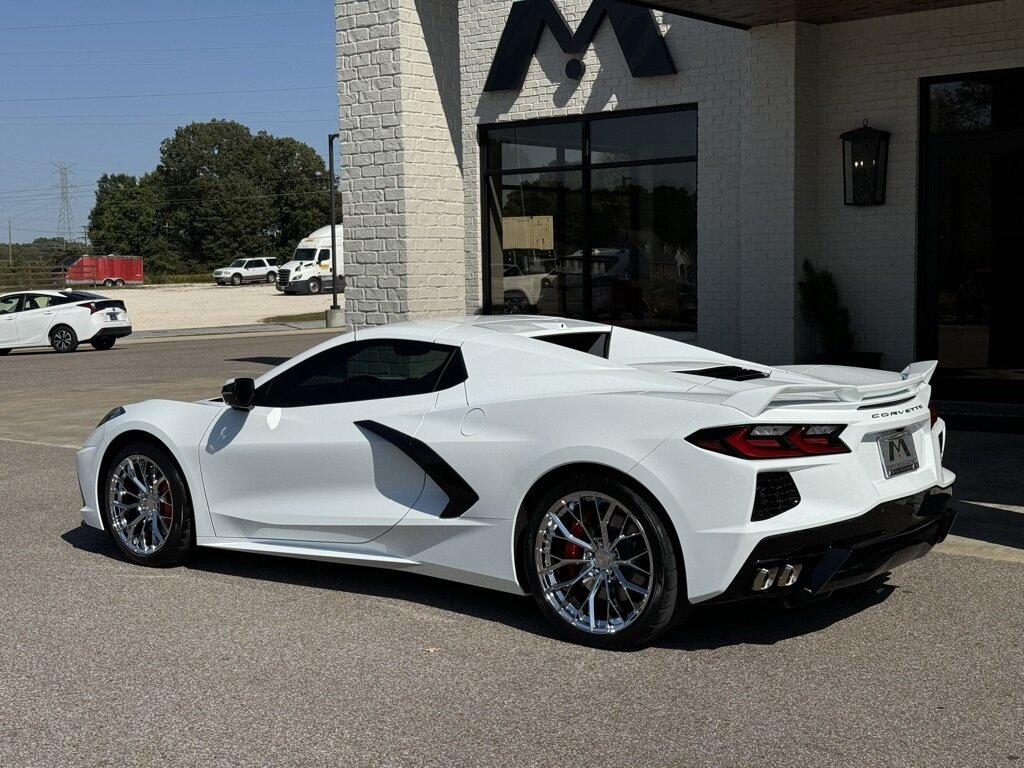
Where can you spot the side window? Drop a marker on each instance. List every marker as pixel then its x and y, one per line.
pixel 257 264
pixel 34 301
pixel 9 304
pixel 367 370
pixel 325 255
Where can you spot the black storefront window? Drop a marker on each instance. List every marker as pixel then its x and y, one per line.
pixel 594 218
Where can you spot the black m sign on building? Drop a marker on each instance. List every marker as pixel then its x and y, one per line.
pixel 635 28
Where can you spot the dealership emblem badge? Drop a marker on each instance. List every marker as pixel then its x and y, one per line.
pixel 635 28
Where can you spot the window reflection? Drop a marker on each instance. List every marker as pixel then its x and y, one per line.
pixel 623 248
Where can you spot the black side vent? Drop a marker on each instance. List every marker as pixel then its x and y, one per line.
pixel 730 372
pixel 776 493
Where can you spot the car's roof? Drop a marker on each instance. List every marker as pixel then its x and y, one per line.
pixel 34 292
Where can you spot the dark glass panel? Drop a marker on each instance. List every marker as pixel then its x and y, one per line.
pixel 536 146
pixel 960 107
pixel 536 225
pixel 643 137
pixel 643 237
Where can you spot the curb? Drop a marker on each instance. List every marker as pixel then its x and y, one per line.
pixel 258 329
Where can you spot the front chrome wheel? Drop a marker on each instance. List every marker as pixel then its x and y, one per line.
pixel 140 505
pixel 594 562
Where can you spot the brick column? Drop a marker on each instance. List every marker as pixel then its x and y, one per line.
pixel 401 178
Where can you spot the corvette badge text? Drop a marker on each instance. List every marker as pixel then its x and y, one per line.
pixel 902 412
pixel 635 28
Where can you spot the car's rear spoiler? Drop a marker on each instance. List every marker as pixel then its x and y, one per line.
pixel 758 399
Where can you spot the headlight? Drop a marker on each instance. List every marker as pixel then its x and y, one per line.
pixel 119 411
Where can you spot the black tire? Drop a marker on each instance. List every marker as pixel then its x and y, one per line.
pixel 271 277
pixel 591 495
pixel 236 280
pixel 179 541
pixel 108 283
pixel 119 283
pixel 313 286
pixel 103 344
pixel 4 352
pixel 63 339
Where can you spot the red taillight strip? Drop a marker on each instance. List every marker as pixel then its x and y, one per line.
pixel 794 442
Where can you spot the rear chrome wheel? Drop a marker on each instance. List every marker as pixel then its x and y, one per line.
pixel 147 507
pixel 63 339
pixel 601 564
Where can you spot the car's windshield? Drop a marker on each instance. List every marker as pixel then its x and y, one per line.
pixel 238 263
pixel 304 254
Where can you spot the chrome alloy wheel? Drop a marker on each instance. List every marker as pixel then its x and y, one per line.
pixel 62 339
pixel 594 562
pixel 140 505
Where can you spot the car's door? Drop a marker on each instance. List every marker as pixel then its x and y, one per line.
pixel 9 320
pixel 254 270
pixel 300 467
pixel 36 317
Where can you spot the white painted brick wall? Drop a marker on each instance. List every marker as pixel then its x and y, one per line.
pixel 401 181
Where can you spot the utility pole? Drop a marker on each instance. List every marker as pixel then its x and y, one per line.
pixel 65 219
pixel 10 246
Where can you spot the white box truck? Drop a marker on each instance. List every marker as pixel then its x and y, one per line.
pixel 309 271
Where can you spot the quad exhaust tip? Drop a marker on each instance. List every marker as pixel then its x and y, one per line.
pixel 780 577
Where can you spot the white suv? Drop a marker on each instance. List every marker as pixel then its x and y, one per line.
pixel 247 271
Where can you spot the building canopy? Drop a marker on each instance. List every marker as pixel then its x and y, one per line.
pixel 755 13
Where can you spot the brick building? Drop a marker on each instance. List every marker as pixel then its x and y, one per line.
pixel 602 184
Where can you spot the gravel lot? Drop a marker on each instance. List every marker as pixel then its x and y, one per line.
pixel 163 307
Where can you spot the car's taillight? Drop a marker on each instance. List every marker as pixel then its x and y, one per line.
pixel 91 306
pixel 772 441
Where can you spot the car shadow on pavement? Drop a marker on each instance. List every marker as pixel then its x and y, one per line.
pixel 757 622
pixel 769 621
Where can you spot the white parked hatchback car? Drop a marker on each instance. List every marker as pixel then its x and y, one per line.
pixel 247 271
pixel 61 319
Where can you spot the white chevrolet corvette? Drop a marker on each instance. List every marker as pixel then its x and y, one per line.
pixel 617 476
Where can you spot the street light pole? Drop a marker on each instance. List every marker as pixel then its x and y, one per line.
pixel 334 238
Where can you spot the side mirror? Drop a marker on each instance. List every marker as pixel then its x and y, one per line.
pixel 240 394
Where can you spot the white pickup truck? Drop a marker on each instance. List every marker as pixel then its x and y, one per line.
pixel 309 271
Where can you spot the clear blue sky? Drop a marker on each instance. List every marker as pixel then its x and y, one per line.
pixel 80 84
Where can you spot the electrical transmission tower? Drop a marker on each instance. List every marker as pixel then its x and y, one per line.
pixel 65 219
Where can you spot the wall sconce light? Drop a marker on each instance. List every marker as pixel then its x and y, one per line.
pixel 865 165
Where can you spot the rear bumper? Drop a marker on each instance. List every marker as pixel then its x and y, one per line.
pixel 112 333
pixel 850 552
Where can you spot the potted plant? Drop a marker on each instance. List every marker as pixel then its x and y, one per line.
pixel 825 313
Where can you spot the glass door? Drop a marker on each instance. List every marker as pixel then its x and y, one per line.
pixel 971 313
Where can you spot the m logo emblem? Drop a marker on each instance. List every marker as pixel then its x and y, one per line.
pixel 635 28
pixel 898 450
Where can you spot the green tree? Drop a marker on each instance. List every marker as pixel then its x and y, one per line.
pixel 125 217
pixel 219 192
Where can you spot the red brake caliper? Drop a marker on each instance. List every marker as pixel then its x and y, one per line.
pixel 574 551
pixel 166 509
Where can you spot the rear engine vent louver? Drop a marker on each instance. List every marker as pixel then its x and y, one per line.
pixel 776 493
pixel 728 372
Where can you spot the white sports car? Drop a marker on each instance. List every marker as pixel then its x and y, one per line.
pixel 61 319
pixel 617 476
